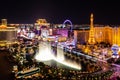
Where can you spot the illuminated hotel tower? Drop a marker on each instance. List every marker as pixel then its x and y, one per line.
pixel 91 39
pixel 4 22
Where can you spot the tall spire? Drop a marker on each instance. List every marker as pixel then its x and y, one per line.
pixel 91 20
pixel 91 32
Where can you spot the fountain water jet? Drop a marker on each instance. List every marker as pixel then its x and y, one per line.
pixel 45 54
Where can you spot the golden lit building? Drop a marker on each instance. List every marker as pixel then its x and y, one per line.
pixel 108 34
pixel 116 35
pixel 4 22
pixel 42 22
pixel 102 33
pixel 7 34
pixel 81 36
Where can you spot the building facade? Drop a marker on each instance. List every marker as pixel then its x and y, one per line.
pixel 8 34
pixel 102 33
pixel 97 33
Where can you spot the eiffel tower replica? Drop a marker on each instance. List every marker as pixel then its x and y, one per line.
pixel 91 39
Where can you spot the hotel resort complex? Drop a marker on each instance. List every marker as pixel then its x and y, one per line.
pixel 65 51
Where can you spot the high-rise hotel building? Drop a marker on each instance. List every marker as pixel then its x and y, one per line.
pixel 99 33
pixel 8 34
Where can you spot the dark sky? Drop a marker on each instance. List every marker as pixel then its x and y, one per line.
pixel 56 11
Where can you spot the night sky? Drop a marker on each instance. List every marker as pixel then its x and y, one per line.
pixel 56 11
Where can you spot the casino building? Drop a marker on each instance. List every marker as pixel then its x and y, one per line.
pixel 7 33
pixel 100 33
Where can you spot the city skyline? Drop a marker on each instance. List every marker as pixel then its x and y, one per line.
pixel 58 11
